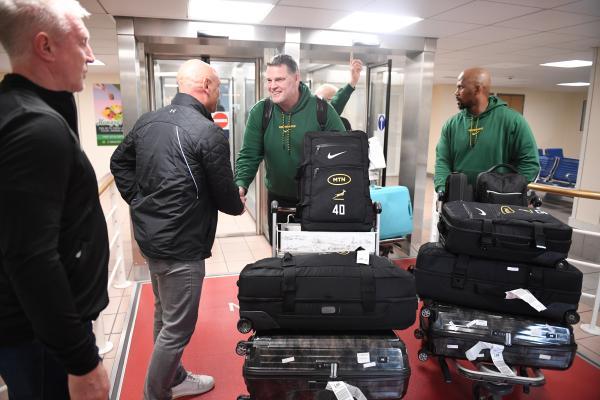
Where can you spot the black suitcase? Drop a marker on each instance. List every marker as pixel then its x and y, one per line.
pixel 325 292
pixel 299 366
pixel 334 183
pixel 496 187
pixel 481 283
pixel 451 331
pixel 503 232
pixel 458 188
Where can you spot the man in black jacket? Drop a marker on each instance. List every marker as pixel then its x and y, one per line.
pixel 53 238
pixel 173 170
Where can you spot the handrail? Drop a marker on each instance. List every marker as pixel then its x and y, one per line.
pixel 583 193
pixel 105 183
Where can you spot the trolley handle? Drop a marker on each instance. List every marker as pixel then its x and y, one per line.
pixel 486 374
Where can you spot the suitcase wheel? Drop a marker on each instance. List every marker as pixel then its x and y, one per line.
pixel 244 325
pixel 425 312
pixel 419 334
pixel 571 317
pixel 241 348
pixel 422 355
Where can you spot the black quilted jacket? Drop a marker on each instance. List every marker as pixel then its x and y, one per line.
pixel 174 199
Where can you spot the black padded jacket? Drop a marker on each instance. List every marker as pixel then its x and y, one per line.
pixel 53 237
pixel 173 170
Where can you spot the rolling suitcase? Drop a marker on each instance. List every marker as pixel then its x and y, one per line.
pixel 334 183
pixel 481 283
pixel 458 188
pixel 300 366
pixel 326 292
pixel 396 211
pixel 457 332
pixel 503 232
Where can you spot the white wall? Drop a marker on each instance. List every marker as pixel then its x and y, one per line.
pixel 98 155
pixel 554 117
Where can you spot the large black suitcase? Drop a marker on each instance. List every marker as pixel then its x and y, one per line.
pixel 504 232
pixel 481 283
pixel 334 182
pixel 299 366
pixel 451 331
pixel 325 292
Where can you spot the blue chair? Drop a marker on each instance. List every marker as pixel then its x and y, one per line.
pixel 565 173
pixel 547 167
pixel 558 152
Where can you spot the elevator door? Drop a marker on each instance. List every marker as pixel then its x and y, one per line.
pixel 238 95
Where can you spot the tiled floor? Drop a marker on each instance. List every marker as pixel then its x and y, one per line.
pixel 237 245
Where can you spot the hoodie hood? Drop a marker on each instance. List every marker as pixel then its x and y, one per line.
pixel 493 102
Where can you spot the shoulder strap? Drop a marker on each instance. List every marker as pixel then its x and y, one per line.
pixel 507 166
pixel 267 111
pixel 321 112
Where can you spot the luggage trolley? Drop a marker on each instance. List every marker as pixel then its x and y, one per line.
pixel 289 238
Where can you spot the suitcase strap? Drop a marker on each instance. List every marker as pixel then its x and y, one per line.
pixel 487 230
pixel 367 285
pixel 540 237
pixel 459 271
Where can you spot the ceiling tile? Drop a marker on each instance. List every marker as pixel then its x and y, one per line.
pixel 346 5
pixel 176 9
pixel 547 20
pixel 591 29
pixel 452 44
pixel 490 34
pixel 537 3
pixel 485 12
pixel 437 29
pixel 303 17
pixel 541 39
pixel 553 52
pixel 416 8
pixel 579 44
pixel 588 7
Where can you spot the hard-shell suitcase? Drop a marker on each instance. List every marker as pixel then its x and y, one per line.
pixel 451 331
pixel 334 183
pixel 503 232
pixel 481 283
pixel 300 366
pixel 326 292
pixel 396 210
pixel 458 188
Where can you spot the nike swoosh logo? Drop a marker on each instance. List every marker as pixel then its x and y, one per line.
pixel 481 212
pixel 330 156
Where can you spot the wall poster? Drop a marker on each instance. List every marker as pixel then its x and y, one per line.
pixel 108 109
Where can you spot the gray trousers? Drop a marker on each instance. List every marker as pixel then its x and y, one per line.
pixel 177 286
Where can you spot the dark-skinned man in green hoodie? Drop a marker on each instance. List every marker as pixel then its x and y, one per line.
pixel 484 133
pixel 280 145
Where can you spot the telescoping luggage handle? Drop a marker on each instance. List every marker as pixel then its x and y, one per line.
pixel 367 285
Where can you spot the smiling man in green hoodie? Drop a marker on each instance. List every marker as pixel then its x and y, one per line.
pixel 280 145
pixel 484 133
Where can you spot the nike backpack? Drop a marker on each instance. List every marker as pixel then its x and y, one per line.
pixel 334 182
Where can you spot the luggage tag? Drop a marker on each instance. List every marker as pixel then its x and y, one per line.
pixel 496 353
pixel 362 257
pixel 527 297
pixel 477 322
pixel 344 391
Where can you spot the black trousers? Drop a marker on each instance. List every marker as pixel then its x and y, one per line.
pixel 281 216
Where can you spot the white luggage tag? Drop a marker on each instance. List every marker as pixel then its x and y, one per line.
pixel 344 391
pixel 496 353
pixel 527 297
pixel 362 257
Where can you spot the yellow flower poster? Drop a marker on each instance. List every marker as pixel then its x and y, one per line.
pixel 109 114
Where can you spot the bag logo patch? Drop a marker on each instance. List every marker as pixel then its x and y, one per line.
pixel 481 212
pixel 339 179
pixel 339 196
pixel 331 156
pixel 506 210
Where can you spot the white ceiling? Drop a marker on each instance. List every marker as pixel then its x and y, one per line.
pixel 509 37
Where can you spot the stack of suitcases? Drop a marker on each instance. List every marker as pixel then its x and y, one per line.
pixel 498 288
pixel 323 322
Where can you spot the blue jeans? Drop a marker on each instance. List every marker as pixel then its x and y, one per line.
pixel 31 372
pixel 177 286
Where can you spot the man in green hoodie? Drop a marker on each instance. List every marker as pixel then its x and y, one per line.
pixel 280 145
pixel 484 133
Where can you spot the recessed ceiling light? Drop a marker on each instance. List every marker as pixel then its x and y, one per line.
pixel 568 64
pixel 97 63
pixel 228 11
pixel 574 84
pixel 374 22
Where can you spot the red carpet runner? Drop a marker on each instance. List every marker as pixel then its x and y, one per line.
pixel 212 351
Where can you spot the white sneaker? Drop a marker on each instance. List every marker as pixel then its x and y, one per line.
pixel 192 385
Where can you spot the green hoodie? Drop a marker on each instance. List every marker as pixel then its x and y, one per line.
pixel 282 153
pixel 504 137
pixel 341 97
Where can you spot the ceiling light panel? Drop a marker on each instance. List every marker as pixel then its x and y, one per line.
pixel 229 11
pixel 374 22
pixel 568 64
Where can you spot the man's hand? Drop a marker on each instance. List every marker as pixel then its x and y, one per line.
pixel 242 197
pixel 356 67
pixel 92 386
